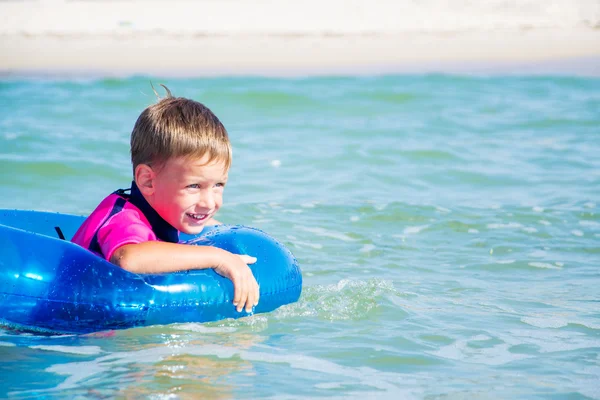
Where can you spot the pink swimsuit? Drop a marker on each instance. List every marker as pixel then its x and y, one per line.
pixel 117 222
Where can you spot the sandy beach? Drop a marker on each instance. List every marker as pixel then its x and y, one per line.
pixel 233 37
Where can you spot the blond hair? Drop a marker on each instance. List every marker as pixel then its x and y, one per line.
pixel 178 127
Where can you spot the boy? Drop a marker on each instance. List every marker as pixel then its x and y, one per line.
pixel 181 155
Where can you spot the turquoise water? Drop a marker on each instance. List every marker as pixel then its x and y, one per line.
pixel 448 229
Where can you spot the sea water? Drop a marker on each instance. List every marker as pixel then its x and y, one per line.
pixel 448 230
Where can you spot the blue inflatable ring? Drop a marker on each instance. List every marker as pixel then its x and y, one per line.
pixel 52 285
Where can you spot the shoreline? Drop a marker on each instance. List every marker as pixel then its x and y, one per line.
pixel 290 38
pixel 571 52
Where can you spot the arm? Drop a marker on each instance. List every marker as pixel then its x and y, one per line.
pixel 154 257
pixel 158 257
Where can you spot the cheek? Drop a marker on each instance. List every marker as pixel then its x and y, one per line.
pixel 219 199
pixel 174 203
pixel 186 201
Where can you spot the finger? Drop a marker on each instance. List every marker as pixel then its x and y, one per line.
pixel 257 293
pixel 248 259
pixel 237 292
pixel 251 297
pixel 243 296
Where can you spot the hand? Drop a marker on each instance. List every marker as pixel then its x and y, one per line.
pixel 235 267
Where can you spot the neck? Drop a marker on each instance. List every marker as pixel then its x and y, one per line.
pixel 163 230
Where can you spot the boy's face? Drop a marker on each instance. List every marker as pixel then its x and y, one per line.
pixel 186 192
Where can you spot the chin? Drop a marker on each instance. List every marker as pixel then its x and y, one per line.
pixel 192 230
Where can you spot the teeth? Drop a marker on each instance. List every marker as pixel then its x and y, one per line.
pixel 198 216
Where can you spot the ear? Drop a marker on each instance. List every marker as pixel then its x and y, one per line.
pixel 144 178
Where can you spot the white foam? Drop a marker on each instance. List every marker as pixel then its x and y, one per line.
pixel 510 225
pixel 460 350
pixel 538 209
pixel 550 340
pixel 367 248
pixel 551 143
pixel 261 220
pixel 326 233
pixel 300 244
pixel 354 218
pixel 530 229
pixel 381 207
pixel 160 396
pixel 276 163
pixel 472 230
pixel 85 350
pixel 577 232
pixel 585 323
pixel 196 327
pixel 505 261
pixel 544 222
pixel 401 237
pixel 330 385
pixel 544 322
pixel 80 371
pixel 538 253
pixel 593 224
pixel 414 229
pixel 7 344
pixel 543 265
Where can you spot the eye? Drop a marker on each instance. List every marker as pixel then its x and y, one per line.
pixel 193 186
pixel 220 185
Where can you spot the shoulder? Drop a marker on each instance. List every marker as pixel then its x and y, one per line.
pixel 127 226
pixel 128 214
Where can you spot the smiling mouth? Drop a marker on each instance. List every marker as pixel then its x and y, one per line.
pixel 198 217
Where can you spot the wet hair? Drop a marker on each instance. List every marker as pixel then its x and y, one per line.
pixel 178 127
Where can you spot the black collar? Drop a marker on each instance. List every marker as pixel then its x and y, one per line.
pixel 161 228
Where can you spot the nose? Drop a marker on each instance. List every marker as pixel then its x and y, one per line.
pixel 206 199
